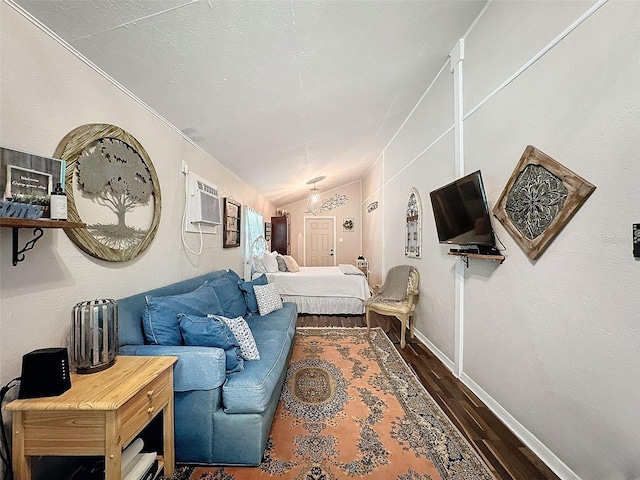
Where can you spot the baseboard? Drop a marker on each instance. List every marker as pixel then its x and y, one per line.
pixel 435 350
pixel 525 436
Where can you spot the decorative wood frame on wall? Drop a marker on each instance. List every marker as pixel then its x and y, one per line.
pixel 110 175
pixel 231 230
pixel 347 224
pixel 539 199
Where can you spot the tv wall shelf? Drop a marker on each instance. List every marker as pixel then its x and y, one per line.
pixel 17 223
pixel 467 256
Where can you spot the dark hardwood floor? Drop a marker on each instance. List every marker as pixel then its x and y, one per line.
pixel 508 457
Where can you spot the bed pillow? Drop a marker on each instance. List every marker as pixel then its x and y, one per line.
pixel 242 332
pixel 270 262
pixel 160 315
pixel 268 298
pixel 212 332
pixel 230 296
pixel 292 265
pixel 258 264
pixel 282 266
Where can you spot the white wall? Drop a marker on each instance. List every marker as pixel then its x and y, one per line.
pixel 553 346
pixel 46 92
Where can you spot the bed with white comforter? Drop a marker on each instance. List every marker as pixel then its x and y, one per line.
pixel 324 290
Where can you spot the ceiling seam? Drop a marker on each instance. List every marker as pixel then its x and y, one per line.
pixel 137 20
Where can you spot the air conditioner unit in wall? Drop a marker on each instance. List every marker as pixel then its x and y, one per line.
pixel 204 202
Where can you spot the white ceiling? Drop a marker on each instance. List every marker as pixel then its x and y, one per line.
pixel 279 91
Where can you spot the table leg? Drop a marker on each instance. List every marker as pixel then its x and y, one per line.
pixel 113 449
pixel 168 438
pixel 21 462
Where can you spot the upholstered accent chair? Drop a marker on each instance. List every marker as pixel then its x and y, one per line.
pixel 403 310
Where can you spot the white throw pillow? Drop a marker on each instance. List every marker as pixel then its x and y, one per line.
pixel 292 265
pixel 258 264
pixel 268 298
pixel 270 262
pixel 242 332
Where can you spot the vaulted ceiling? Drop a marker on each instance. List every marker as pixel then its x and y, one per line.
pixel 278 91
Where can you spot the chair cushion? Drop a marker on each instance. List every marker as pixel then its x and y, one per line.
pixel 160 315
pixel 230 296
pixel 212 332
pixel 249 294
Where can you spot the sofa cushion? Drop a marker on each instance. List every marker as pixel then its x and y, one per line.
pixel 230 296
pixel 249 295
pixel 212 332
pixel 130 309
pixel 268 298
pixel 251 391
pixel 160 315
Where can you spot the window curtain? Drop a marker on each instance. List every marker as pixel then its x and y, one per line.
pixel 254 228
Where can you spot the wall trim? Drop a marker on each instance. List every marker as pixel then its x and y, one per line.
pixel 528 438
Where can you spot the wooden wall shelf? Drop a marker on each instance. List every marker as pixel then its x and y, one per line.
pixel 17 223
pixel 467 256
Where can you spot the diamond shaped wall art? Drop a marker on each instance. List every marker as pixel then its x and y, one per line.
pixel 539 199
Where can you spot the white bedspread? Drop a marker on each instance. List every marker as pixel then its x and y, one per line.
pixel 320 282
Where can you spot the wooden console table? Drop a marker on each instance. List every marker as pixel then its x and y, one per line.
pixel 99 415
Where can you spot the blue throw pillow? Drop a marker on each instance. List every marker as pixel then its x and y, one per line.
pixel 212 332
pixel 160 315
pixel 230 296
pixel 249 294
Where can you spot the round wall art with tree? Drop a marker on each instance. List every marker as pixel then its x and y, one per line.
pixel 111 186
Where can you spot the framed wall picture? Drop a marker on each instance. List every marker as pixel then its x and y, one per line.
pixel 539 200
pixel 267 231
pixel 231 224
pixel 347 224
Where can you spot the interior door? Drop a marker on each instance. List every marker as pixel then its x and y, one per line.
pixel 319 241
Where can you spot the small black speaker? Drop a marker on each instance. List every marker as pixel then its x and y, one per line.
pixel 45 373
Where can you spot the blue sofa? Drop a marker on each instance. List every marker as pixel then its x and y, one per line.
pixel 220 418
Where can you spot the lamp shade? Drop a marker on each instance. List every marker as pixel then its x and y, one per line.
pixel 313 200
pixel 94 335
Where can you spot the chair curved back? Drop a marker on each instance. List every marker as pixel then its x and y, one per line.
pixel 413 287
pixel 403 310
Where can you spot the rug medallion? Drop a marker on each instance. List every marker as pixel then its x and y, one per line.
pixel 351 408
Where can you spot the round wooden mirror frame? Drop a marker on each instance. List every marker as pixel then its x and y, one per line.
pixel 69 149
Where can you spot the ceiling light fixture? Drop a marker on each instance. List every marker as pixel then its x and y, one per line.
pixel 315 203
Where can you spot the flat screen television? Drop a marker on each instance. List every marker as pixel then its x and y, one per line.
pixel 462 215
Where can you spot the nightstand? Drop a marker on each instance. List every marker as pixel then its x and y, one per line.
pixel 99 415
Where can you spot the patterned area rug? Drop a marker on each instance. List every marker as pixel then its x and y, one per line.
pixel 351 407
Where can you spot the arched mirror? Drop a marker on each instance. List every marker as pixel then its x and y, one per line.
pixel 413 237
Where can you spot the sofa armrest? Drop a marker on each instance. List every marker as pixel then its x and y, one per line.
pixel 197 368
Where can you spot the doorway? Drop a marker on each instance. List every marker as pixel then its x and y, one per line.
pixel 319 241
